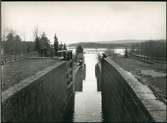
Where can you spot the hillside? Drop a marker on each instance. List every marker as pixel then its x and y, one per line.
pixel 109 44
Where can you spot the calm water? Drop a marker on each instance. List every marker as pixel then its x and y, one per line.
pixel 88 103
pixel 87 106
pixel 120 51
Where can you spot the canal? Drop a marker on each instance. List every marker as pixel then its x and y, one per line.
pixel 87 103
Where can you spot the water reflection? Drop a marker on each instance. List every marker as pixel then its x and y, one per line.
pixel 87 107
pixel 120 51
pixel 98 76
pixel 79 77
pixel 68 115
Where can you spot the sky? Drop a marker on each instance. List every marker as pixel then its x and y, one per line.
pixel 86 21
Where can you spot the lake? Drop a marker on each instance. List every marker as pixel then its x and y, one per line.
pixel 120 51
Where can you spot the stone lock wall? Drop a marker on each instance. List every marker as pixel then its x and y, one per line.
pixel 39 98
pixel 98 76
pixel 124 99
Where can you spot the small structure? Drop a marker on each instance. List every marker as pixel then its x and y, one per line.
pixel 66 54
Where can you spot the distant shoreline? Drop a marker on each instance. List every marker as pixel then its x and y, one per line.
pixel 110 44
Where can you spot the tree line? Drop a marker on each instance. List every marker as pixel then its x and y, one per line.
pixel 13 45
pixel 150 48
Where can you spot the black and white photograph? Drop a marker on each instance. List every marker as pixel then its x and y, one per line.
pixel 83 61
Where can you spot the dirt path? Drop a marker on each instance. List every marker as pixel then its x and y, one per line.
pixel 148 74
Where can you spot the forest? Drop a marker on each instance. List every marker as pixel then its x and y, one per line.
pixel 13 45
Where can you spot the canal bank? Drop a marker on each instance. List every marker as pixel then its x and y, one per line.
pixel 125 99
pixel 42 97
pixel 149 74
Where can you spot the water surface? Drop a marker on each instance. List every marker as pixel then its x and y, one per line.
pixel 87 106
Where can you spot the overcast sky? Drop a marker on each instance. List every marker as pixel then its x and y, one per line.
pixel 86 21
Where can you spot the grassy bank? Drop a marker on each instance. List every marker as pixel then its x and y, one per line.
pixel 16 71
pixel 136 67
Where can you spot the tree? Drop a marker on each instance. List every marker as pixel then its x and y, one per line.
pixel 10 36
pixel 51 50
pixel 37 46
pixel 79 49
pixel 13 44
pixel 64 47
pixel 44 45
pixel 9 44
pixel 56 44
pixel 18 44
pixel 60 46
